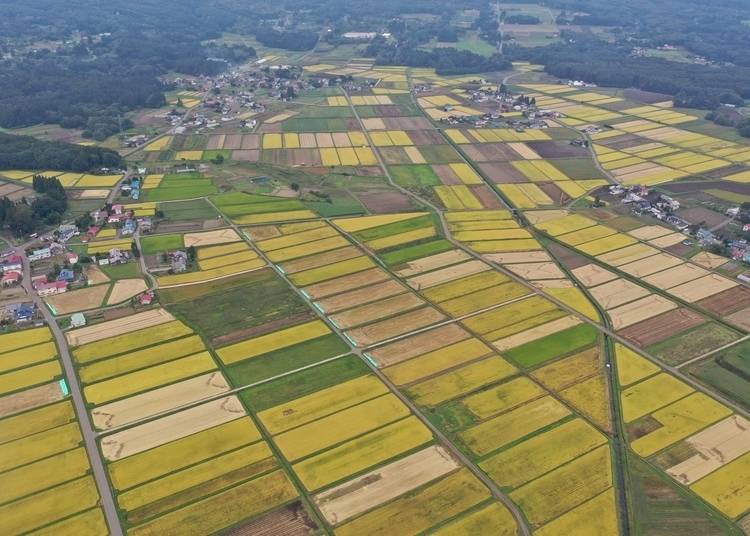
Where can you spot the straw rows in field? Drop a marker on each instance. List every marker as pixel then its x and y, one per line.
pixel 695 439
pixel 44 466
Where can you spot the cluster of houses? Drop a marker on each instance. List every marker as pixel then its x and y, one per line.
pixel 132 189
pixel 12 270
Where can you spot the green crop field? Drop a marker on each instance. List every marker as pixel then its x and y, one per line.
pixel 159 243
pixel 416 175
pixel 728 372
pixel 551 346
pixel 694 343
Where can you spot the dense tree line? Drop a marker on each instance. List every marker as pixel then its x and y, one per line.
pixel 521 19
pixel 47 208
pixel 292 40
pixel 445 61
pixel 25 152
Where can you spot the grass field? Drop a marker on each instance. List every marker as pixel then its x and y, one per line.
pixel 551 346
pixel 159 243
pixel 727 372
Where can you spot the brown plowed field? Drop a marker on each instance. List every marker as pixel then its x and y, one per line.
pixel 233 141
pixel 386 202
pixel 501 173
pixel 407 123
pixel 662 327
pixel 490 152
pixel 394 155
pixel 215 141
pixel 250 141
pixel 426 137
pixel 554 149
pixel 246 156
pixel 726 302
pixel 395 326
pixel 741 319
pixel 303 157
pixel 422 343
pixel 446 174
pixel 432 262
pixel 30 399
pixel 486 196
pixel 78 300
pixel 291 520
pixel 361 296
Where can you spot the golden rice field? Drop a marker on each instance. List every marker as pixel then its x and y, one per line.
pixel 337 269
pixel 415 513
pixel 484 298
pixel 270 217
pixel 494 518
pixel 433 362
pixel 46 506
pixel 461 381
pixel 321 403
pixel 678 421
pixel 591 399
pixel 124 363
pixel 566 487
pixel 148 465
pixel 499 431
pixel 36 420
pixel 651 394
pixel 209 252
pixel 360 453
pixel 272 341
pixel 463 286
pixel 149 378
pixel 353 225
pixel 341 426
pixel 192 476
pixel 401 238
pixel 565 372
pixel 509 314
pixel 90 522
pixel 27 356
pixel 631 367
pixel 210 274
pixel 534 457
pixel 593 518
pixel 301 250
pixel 27 337
pixel 130 341
pixel 38 446
pixel 29 376
pixel 226 260
pixel 609 243
pixel 727 488
pixel 503 397
pixel 223 509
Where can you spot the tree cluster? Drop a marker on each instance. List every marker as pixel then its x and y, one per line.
pixel 25 152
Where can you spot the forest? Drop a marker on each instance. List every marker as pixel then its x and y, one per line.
pixel 25 152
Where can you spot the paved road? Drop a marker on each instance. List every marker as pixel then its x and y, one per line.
pixel 89 436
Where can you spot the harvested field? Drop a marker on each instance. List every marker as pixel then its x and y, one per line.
pixel 374 311
pixel 617 292
pixel 120 326
pixel 346 283
pixel 432 262
pixel 713 447
pixel 155 433
pixel 649 232
pixel 709 260
pixel 537 270
pixel 727 488
pixel 78 300
pixel 360 296
pixel 376 487
pixel 210 238
pixel 395 326
pixel 675 276
pixel 643 309
pixel 516 257
pixel 361 453
pixel 593 274
pixel 651 265
pixel 628 254
pixel 662 327
pixel 740 319
pixel 420 344
pixel 728 301
pixel 29 399
pixel 386 202
pixel 536 333
pixel 417 512
pixel 502 173
pixel 703 287
pixel 158 400
pixel 447 274
pixel 124 289
pixel 292 520
pixel 95 276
